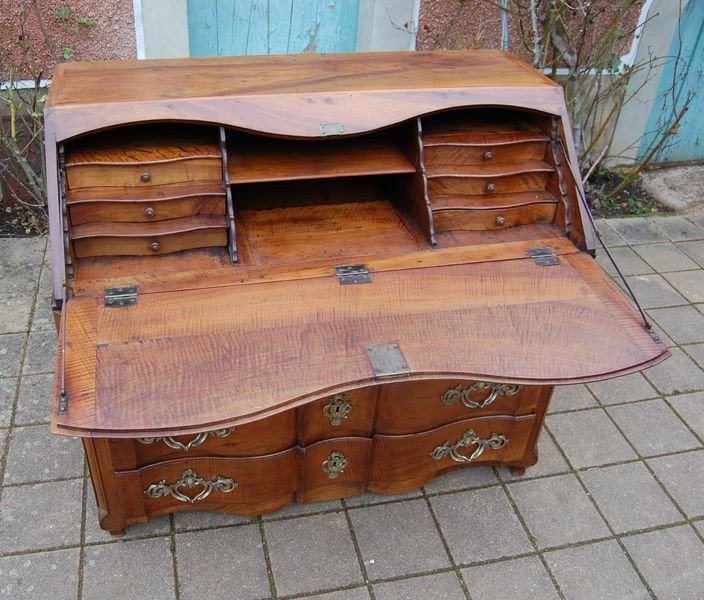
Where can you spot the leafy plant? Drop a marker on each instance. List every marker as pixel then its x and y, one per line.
pixel 22 97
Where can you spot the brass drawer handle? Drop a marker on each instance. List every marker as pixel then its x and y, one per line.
pixel 338 409
pixel 189 480
pixel 488 155
pixel 154 246
pixel 500 221
pixel 495 442
pixel 491 187
pixel 145 177
pixel 496 390
pixel 334 464
pixel 149 212
pixel 196 441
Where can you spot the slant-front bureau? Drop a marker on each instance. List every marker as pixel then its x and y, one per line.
pixel 302 277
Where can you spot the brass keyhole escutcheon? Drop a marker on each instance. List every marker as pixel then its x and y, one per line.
pixel 145 177
pixel 500 221
pixel 334 464
pixel 154 246
pixel 337 409
pixel 488 155
pixel 491 187
pixel 149 212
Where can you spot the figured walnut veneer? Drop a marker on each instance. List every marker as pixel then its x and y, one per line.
pixel 233 367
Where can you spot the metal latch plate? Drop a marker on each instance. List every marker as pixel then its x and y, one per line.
pixel 332 128
pixel 543 257
pixel 387 360
pixel 348 274
pixel 118 297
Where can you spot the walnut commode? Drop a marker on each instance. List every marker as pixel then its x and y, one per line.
pixel 302 277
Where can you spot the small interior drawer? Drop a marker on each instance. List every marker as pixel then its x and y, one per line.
pixel 144 174
pixel 484 219
pixel 145 211
pixel 144 239
pixel 465 154
pixel 415 406
pixel 144 156
pixel 468 182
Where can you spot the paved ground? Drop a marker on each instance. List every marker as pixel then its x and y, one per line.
pixel 614 509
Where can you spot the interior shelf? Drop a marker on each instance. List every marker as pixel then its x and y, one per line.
pixel 257 159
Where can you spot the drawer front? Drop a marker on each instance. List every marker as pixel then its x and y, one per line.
pixel 519 182
pixel 347 414
pixel 144 212
pixel 335 468
pixel 248 486
pixel 416 406
pixel 462 154
pixel 121 245
pixel 266 436
pixel 143 174
pixel 488 219
pixel 402 463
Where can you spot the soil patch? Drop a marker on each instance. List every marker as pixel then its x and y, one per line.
pixel 633 200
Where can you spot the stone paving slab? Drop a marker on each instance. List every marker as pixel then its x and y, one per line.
pixel 613 509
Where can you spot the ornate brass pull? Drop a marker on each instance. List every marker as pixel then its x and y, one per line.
pixel 190 479
pixel 337 409
pixel 196 441
pixel 334 464
pixel 496 390
pixel 495 442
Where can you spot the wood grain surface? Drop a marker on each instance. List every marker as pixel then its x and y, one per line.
pixel 274 345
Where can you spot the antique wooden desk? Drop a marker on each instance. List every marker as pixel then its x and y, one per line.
pixel 297 278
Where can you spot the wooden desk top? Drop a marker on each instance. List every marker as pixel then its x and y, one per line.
pixel 291 95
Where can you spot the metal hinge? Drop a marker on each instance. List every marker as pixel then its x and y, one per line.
pixel 118 297
pixel 387 360
pixel 332 129
pixel 543 257
pixel 353 274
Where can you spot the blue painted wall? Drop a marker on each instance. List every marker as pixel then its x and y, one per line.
pixel 688 71
pixel 246 27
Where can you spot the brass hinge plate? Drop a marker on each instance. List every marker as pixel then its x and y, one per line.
pixel 387 360
pixel 119 297
pixel 543 257
pixel 348 274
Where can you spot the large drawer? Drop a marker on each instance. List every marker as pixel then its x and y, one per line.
pixel 266 436
pixel 404 462
pixel 248 486
pixel 415 406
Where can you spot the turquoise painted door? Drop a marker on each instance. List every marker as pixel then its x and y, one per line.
pixel 246 27
pixel 688 141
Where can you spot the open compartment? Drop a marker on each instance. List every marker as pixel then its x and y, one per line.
pixel 323 219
